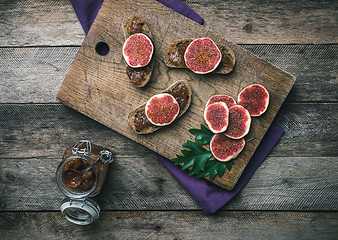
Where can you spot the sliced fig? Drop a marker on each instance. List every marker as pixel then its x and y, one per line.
pixel 255 98
pixel 202 56
pixel 216 115
pixel 174 56
pixel 138 77
pixel 138 50
pixel 222 98
pixel 162 109
pixel 224 148
pixel 138 120
pixel 239 122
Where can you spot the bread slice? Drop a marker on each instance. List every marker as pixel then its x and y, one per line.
pixel 138 77
pixel 139 112
pixel 174 56
pixel 135 24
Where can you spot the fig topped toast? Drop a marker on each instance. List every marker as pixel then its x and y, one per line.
pixel 138 120
pixel 174 56
pixel 138 77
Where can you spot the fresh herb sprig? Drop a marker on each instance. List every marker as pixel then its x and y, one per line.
pixel 197 158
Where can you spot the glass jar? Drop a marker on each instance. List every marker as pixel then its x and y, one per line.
pixel 80 175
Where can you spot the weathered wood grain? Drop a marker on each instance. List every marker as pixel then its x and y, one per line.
pixel 140 182
pixel 310 130
pixel 299 174
pixel 278 21
pixel 53 22
pixel 39 23
pixel 98 87
pixel 173 225
pixel 35 74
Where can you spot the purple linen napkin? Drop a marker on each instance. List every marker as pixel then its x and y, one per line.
pixel 183 9
pixel 208 196
pixel 86 11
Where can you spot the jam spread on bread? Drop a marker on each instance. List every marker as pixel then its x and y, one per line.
pixel 137 75
pixel 226 60
pixel 136 26
pixel 141 121
pixel 176 56
pixel 180 93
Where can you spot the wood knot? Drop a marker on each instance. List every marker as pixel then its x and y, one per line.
pixel 248 27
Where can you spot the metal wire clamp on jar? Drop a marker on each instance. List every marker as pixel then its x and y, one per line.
pixel 80 175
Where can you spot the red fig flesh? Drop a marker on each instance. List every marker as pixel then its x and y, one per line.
pixel 222 98
pixel 138 50
pixel 162 109
pixel 202 56
pixel 255 98
pixel 216 115
pixel 239 122
pixel 224 148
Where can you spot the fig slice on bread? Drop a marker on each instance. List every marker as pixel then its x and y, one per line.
pixel 138 75
pixel 162 109
pixel 138 120
pixel 202 56
pixel 174 56
pixel 138 50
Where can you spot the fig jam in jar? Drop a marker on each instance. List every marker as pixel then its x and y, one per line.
pixel 80 175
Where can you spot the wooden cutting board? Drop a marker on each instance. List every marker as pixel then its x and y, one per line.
pixel 98 87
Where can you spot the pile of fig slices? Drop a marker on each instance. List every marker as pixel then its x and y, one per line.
pixel 230 121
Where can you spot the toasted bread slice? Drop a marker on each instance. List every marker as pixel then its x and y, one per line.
pixel 135 24
pixel 174 56
pixel 138 77
pixel 137 117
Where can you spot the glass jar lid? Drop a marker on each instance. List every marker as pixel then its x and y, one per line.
pixel 80 211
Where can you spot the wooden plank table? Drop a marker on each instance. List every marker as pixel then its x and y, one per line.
pixel 294 194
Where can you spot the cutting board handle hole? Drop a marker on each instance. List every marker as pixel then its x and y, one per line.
pixel 102 48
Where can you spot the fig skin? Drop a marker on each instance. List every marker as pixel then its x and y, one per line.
pixel 239 122
pixel 200 58
pixel 224 148
pixel 142 54
pixel 255 98
pixel 213 117
pixel 163 99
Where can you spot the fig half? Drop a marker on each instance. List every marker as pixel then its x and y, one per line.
pixel 138 50
pixel 162 109
pixel 202 56
pixel 224 148
pixel 239 122
pixel 221 98
pixel 216 115
pixel 255 98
